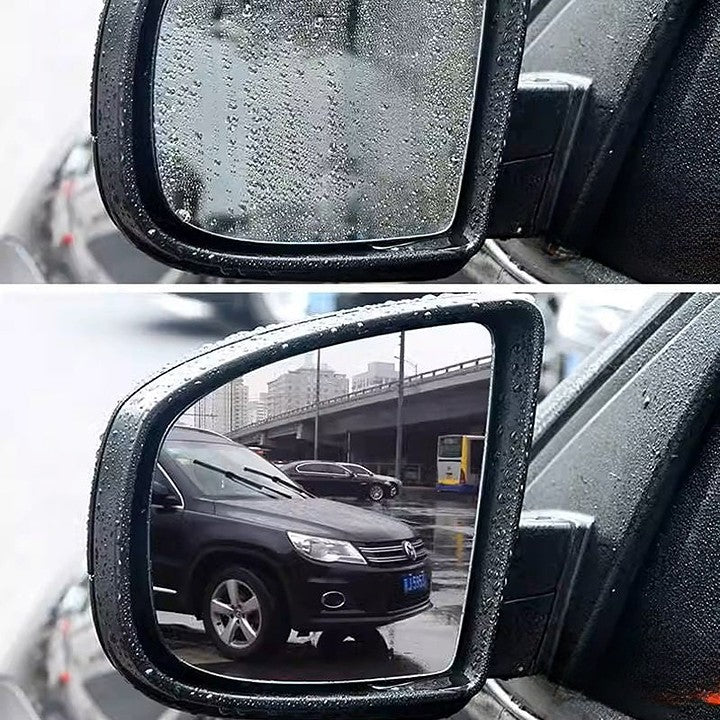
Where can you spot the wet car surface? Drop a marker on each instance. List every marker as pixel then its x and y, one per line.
pixel 421 644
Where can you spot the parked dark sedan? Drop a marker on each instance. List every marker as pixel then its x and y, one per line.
pixel 241 546
pixel 333 479
pixel 392 485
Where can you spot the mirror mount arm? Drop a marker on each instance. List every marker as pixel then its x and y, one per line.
pixel 540 149
pixel 549 551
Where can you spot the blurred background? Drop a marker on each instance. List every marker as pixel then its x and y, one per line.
pixel 46 51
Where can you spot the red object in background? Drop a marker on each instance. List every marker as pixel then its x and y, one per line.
pixel 67 240
pixel 64 677
pixel 67 188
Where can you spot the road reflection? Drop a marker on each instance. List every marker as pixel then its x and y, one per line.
pixel 421 644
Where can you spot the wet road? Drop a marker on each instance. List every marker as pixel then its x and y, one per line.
pixel 421 644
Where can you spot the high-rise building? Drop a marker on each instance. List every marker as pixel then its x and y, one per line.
pixel 239 404
pixel 377 373
pixel 258 409
pixel 296 388
pixel 222 410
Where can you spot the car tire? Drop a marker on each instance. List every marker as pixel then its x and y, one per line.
pixel 393 490
pixel 376 492
pixel 253 608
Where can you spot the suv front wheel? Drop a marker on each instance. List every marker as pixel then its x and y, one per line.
pixel 240 615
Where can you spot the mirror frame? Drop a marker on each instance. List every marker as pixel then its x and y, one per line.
pixel 127 174
pixel 118 530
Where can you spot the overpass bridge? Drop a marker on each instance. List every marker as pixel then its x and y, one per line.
pixel 360 426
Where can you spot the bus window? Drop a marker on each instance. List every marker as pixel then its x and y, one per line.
pixel 459 462
pixel 450 446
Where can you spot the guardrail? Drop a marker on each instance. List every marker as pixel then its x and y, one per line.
pixel 373 390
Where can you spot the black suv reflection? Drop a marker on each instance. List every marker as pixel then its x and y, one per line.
pixel 241 546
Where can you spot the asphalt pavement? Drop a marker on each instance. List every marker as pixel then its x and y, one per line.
pixel 421 644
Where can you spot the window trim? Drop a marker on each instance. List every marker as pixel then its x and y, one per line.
pixel 173 485
pixel 320 462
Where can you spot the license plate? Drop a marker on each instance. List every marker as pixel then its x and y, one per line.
pixel 414 582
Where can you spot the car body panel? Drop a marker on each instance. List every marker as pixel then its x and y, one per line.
pixel 191 541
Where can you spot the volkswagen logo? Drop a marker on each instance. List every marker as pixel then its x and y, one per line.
pixel 410 550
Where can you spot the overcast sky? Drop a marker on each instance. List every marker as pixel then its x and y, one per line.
pixel 429 348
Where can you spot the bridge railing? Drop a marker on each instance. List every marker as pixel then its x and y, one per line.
pixel 378 389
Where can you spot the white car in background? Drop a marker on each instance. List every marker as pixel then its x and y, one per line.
pixel 85 245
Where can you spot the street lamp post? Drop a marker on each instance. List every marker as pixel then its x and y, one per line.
pixel 409 362
pixel 399 417
pixel 317 409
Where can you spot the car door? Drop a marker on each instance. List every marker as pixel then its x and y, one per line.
pixel 166 533
pixel 311 476
pixel 340 481
pixel 325 479
pixel 633 439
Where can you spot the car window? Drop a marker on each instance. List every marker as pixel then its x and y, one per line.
pixel 159 479
pixel 227 470
pixel 332 469
pixel 358 470
pixel 312 468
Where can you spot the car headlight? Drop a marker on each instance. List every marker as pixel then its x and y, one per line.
pixel 326 549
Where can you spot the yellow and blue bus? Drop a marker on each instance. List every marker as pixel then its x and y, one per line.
pixel 459 462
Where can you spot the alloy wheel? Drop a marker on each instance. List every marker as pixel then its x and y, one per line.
pixel 235 613
pixel 376 492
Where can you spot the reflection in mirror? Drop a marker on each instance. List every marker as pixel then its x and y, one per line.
pixel 315 121
pixel 313 520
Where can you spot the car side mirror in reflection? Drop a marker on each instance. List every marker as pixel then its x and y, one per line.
pixel 265 140
pixel 163 497
pixel 284 586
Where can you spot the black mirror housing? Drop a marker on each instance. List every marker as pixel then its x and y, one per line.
pixel 118 543
pixel 128 176
pixel 162 497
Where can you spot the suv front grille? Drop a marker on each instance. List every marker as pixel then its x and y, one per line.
pixel 392 553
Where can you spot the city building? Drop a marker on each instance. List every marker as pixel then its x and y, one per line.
pixel 238 407
pixel 221 411
pixel 258 409
pixel 296 388
pixel 377 373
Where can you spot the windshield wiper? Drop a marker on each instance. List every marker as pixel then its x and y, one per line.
pixel 280 481
pixel 230 475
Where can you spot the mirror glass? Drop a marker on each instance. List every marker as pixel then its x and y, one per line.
pixel 314 519
pixel 315 121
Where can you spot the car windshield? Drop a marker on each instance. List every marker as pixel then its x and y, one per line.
pixel 225 470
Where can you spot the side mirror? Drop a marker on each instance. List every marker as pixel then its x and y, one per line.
pixel 314 141
pixel 280 599
pixel 163 497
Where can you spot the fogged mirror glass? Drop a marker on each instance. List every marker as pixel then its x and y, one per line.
pixel 315 121
pixel 314 519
